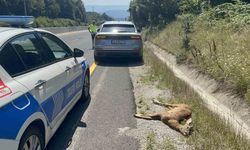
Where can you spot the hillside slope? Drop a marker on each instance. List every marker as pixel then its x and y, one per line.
pixel 216 41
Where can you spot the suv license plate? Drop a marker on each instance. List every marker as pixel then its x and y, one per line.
pixel 118 42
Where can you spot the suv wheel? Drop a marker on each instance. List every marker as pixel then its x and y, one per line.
pixel 97 59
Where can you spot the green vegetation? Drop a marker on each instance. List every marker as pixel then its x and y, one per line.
pixel 147 79
pixel 211 35
pixel 218 46
pixel 143 106
pixel 70 9
pixel 209 132
pixel 152 13
pixel 52 13
pixel 46 22
pixel 151 141
pixel 48 13
pixel 167 145
pixel 153 145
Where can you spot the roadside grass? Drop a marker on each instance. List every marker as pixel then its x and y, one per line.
pixel 161 99
pixel 148 78
pixel 151 141
pixel 219 49
pixel 167 145
pixel 170 38
pixel 143 106
pixel 210 132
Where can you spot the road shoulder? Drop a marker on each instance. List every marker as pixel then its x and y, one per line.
pixel 152 134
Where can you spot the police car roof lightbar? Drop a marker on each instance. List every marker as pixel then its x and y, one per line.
pixel 23 21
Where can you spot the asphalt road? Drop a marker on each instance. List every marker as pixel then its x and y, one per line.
pixel 95 124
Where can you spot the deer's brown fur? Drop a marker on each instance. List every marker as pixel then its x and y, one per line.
pixel 172 117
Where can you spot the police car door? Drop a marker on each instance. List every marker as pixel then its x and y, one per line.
pixel 42 77
pixel 72 69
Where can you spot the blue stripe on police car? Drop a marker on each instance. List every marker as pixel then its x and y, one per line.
pixel 13 118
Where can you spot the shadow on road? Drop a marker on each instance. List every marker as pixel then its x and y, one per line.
pixel 63 137
pixel 115 62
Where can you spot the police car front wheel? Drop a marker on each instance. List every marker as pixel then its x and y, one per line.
pixel 32 140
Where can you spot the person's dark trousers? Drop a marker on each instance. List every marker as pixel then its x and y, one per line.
pixel 93 37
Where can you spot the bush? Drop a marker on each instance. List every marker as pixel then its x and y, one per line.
pixel 47 22
pixel 228 15
pixel 191 6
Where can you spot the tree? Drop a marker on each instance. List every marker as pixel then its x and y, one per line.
pixel 80 13
pixel 52 8
pixel 4 7
pixel 139 12
pixel 70 9
pixel 152 12
pixel 218 2
pixel 11 7
pixel 35 7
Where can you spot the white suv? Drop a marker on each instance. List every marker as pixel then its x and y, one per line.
pixel 41 79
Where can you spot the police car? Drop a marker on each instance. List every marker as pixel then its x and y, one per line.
pixel 41 79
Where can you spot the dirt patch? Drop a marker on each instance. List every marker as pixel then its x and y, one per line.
pixel 146 131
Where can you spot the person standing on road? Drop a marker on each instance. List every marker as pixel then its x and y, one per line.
pixel 93 30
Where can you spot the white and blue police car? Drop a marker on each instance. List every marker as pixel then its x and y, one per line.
pixel 41 79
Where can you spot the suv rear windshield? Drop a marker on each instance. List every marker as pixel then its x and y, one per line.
pixel 118 28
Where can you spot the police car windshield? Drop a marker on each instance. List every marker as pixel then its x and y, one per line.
pixel 118 28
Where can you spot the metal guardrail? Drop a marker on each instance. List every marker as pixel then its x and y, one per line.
pixel 57 30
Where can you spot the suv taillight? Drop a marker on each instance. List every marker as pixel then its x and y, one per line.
pixel 101 37
pixel 137 37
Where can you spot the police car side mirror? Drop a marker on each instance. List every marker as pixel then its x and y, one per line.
pixel 98 30
pixel 139 31
pixel 78 52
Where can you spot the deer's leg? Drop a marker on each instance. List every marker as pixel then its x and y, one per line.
pixel 174 124
pixel 166 104
pixel 155 116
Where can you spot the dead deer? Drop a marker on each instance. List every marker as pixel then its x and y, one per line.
pixel 172 117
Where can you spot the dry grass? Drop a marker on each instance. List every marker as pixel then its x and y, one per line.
pixel 167 145
pixel 210 132
pixel 151 141
pixel 147 79
pixel 226 54
pixel 143 106
pixel 170 38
